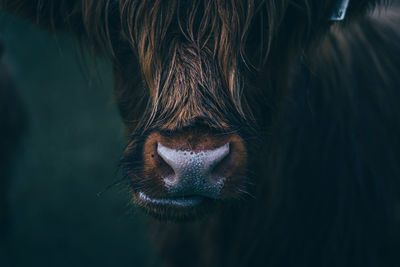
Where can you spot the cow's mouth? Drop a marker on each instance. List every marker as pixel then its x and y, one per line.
pixel 174 208
pixel 176 202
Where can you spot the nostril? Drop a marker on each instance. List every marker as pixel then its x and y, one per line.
pixel 221 168
pixel 162 167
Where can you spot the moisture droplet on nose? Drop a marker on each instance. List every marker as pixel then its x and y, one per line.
pixel 171 180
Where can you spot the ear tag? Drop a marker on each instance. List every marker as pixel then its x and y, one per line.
pixel 340 10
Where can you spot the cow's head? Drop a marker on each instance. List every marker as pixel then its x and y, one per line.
pixel 198 84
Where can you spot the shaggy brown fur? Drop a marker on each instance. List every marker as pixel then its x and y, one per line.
pixel 315 102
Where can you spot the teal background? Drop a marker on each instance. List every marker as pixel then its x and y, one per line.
pixel 69 153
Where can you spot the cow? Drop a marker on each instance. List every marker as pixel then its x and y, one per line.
pixel 260 132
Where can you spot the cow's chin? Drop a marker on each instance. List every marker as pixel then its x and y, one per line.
pixel 185 208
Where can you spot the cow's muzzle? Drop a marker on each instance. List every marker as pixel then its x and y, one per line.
pixel 186 171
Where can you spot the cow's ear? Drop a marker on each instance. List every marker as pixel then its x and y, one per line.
pixel 51 14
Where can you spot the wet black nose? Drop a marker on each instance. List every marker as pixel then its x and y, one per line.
pixel 194 172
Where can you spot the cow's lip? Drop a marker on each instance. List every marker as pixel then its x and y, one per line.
pixel 183 208
pixel 173 202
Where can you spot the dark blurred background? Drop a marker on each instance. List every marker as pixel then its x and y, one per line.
pixel 68 154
